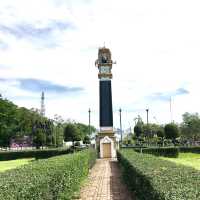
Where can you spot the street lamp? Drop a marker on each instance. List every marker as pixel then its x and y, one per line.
pixel 147 110
pixel 120 120
pixel 89 111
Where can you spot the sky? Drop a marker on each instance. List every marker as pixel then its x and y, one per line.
pixel 52 45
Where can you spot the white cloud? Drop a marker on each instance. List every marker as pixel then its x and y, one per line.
pixel 155 43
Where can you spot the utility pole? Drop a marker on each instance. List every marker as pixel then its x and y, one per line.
pixel 147 110
pixel 89 111
pixel 120 120
pixel 171 115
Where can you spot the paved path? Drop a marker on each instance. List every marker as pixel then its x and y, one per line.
pixel 104 183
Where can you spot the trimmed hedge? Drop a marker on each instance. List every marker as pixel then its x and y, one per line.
pixel 38 154
pixel 190 149
pixel 152 178
pixel 54 178
pixel 172 152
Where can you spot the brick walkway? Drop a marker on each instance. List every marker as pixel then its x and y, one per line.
pixel 104 183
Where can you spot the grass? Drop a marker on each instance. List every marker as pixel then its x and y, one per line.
pixel 11 164
pixel 188 159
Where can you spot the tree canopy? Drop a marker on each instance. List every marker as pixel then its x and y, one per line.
pixel 190 127
pixel 17 122
pixel 72 133
pixel 171 131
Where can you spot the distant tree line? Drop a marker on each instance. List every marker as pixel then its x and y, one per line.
pixel 185 133
pixel 17 122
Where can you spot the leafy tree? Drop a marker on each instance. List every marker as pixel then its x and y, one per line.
pixel 138 130
pixel 58 131
pixel 71 133
pixel 17 122
pixel 190 127
pixel 160 133
pixel 86 140
pixel 8 121
pixel 138 121
pixel 171 131
pixel 161 136
pixel 84 129
pixel 40 138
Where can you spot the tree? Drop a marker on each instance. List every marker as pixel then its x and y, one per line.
pixel 71 133
pixel 40 138
pixel 84 130
pixel 161 135
pixel 190 127
pixel 17 122
pixel 150 129
pixel 171 131
pixel 86 140
pixel 138 130
pixel 8 121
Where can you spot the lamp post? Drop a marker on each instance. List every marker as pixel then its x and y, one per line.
pixel 147 110
pixel 120 120
pixel 89 111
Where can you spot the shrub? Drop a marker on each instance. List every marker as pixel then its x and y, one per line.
pixel 160 133
pixel 152 178
pixel 138 130
pixel 54 178
pixel 190 149
pixel 171 131
pixel 38 154
pixel 172 152
pixel 86 140
pixel 78 144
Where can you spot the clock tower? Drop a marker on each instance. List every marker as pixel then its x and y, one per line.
pixel 106 140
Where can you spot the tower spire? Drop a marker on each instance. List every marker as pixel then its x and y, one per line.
pixel 42 109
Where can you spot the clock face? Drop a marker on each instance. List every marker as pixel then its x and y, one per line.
pixel 104 58
pixel 105 69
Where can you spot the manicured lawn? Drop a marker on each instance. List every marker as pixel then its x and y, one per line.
pixel 5 165
pixel 188 159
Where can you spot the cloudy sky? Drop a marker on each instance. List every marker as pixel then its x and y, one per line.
pixel 51 46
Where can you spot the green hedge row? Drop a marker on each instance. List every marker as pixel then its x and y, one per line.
pixel 190 149
pixel 38 154
pixel 50 179
pixel 172 152
pixel 150 177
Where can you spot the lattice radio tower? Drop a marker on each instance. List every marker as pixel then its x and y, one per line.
pixel 42 110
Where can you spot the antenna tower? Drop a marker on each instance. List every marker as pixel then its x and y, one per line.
pixel 42 110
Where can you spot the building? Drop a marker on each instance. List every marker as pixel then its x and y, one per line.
pixel 106 140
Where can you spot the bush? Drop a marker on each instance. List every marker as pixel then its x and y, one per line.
pixel 152 178
pixel 190 149
pixel 138 130
pixel 171 152
pixel 171 131
pixel 38 154
pixel 78 144
pixel 54 178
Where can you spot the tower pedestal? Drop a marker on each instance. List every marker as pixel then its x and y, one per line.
pixel 106 144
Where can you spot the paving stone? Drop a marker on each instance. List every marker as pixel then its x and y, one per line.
pixel 104 182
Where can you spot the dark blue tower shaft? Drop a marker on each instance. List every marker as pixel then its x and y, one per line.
pixel 106 111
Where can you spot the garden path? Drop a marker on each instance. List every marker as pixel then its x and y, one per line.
pixel 105 182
